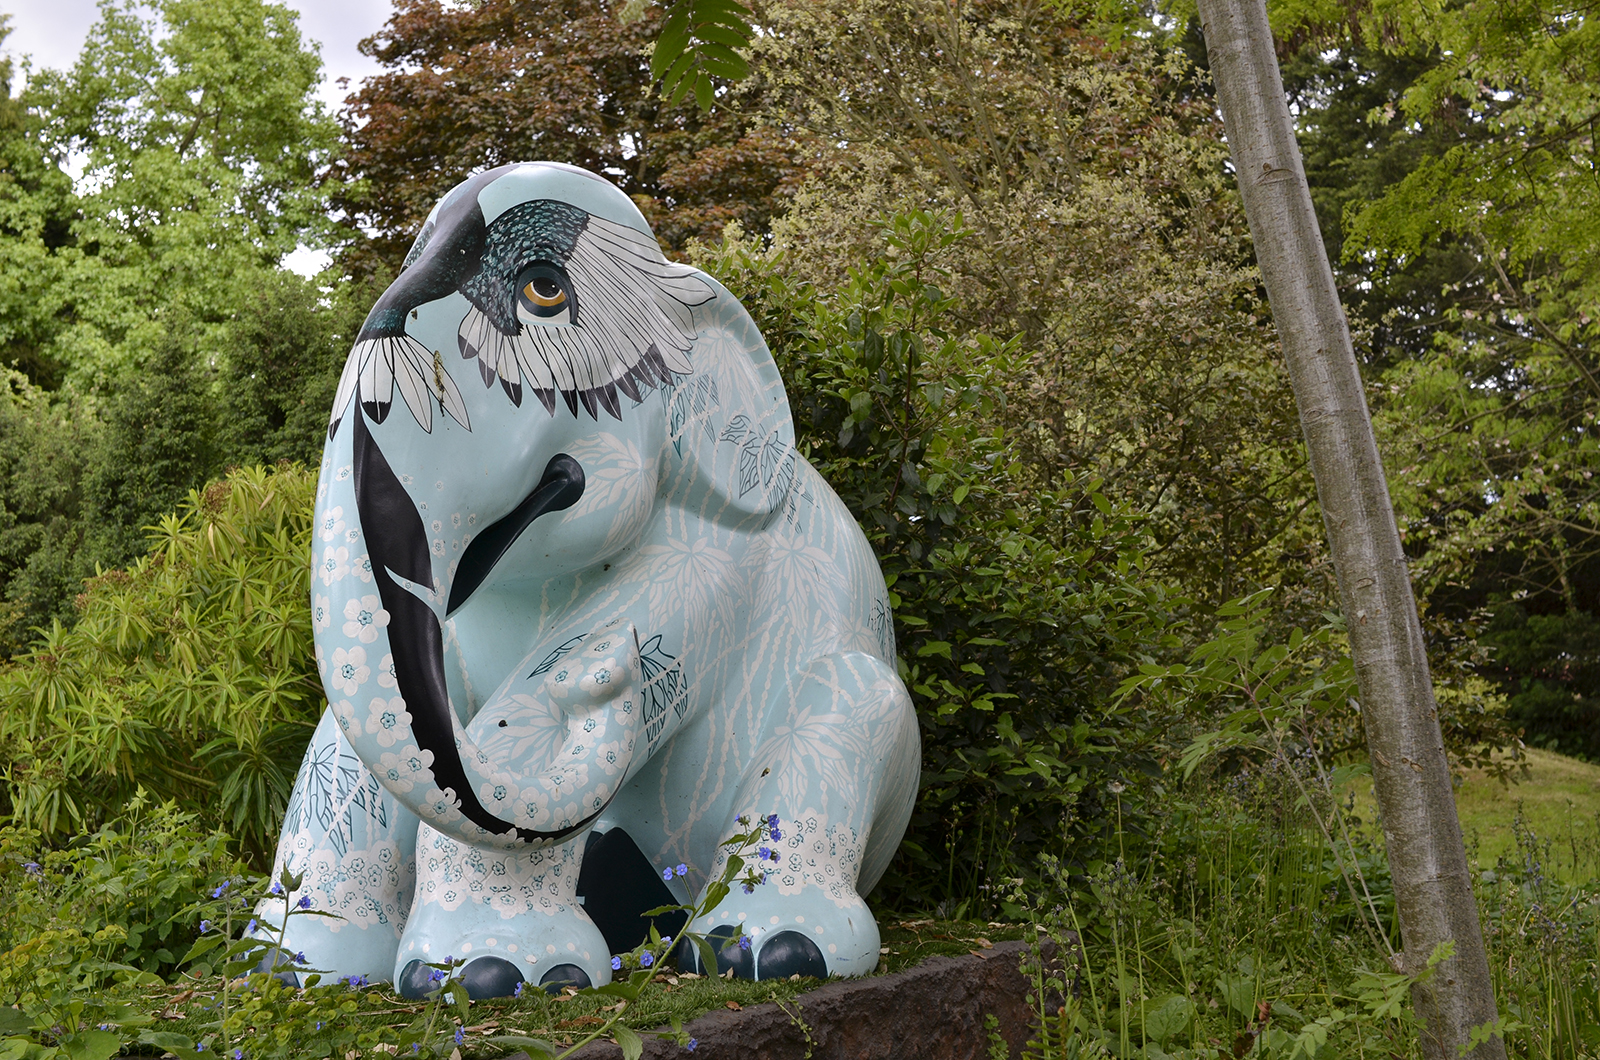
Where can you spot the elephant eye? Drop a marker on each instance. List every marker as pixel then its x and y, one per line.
pixel 544 294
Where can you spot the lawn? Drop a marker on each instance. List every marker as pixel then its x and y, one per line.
pixel 1558 803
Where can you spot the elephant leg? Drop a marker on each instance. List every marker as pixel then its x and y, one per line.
pixel 512 915
pixel 838 769
pixel 354 845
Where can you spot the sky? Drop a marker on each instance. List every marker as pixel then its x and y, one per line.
pixel 52 31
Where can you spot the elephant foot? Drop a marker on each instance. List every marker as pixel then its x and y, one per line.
pixel 562 976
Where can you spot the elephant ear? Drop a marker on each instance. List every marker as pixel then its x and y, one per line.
pixel 730 436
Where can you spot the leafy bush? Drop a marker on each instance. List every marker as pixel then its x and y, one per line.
pixel 133 884
pixel 189 675
pixel 1017 608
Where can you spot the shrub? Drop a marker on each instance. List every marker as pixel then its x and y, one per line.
pixel 189 675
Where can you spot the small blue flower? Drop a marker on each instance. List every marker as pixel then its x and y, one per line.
pixel 435 976
pixel 221 890
pixel 319 1025
pixel 416 1047
pixel 238 1054
pixel 200 1048
pixel 251 928
pixel 749 888
pixel 518 991
pixel 682 870
pixel 616 964
pixel 205 926
pixel 450 961
pixel 105 1026
pixel 666 874
pixel 645 960
pixel 461 1035
pixel 33 868
pixel 667 941
pixel 300 958
pixel 744 943
pixel 693 1044
pixel 276 888
pixel 305 901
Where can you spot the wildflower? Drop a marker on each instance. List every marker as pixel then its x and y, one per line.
pixel 305 901
pixel 616 964
pixel 250 929
pixel 416 1047
pixel 744 943
pixel 461 1035
pixel 693 1043
pixel 682 869
pixel 276 888
pixel 319 1025
pixel 667 941
pixel 205 926
pixel 221 890
pixel 238 1054
pixel 646 960
pixel 300 958
pixel 518 991
pixel 749 888
pixel 105 1026
pixel 33 868
pixel 435 976
pixel 666 874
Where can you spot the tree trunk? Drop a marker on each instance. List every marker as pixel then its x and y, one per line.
pixel 1433 887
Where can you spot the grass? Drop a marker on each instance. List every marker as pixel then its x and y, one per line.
pixel 1559 801
pixel 563 1020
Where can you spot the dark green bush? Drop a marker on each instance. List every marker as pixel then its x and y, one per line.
pixel 1017 609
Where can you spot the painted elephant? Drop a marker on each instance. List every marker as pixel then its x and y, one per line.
pixel 579 605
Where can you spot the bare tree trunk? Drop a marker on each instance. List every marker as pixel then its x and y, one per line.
pixel 1433 887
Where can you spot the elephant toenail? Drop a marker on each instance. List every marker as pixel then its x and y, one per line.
pixel 790 953
pixel 563 976
pixel 487 977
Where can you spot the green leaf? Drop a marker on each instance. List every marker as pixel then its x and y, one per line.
pixel 631 1044
pixel 536 1048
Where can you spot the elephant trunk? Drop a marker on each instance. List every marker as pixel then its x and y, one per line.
pixel 414 745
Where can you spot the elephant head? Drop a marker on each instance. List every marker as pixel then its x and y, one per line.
pixel 532 281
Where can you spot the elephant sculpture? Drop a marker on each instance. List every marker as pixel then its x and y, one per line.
pixel 579 605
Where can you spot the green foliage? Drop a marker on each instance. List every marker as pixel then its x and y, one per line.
pixel 698 44
pixel 132 883
pixel 1017 608
pixel 190 674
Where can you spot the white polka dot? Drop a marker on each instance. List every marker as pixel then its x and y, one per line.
pixel 549 949
pixel 586 955
pixel 741 916
pixel 491 942
pixel 425 947
pixel 832 948
pixel 466 947
pixel 774 920
pixel 724 914
pixel 799 920
pixel 511 947
pixel 819 929
pixel 572 947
